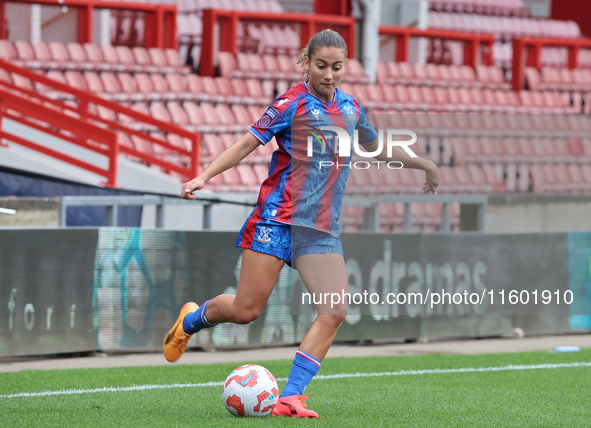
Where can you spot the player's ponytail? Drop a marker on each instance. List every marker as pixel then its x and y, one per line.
pixel 324 39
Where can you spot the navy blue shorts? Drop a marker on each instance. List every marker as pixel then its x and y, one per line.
pixel 285 241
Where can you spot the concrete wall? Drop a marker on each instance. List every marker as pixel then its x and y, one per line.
pixel 31 212
pixel 536 213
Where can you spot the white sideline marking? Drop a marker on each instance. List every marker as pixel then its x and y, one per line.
pixel 334 376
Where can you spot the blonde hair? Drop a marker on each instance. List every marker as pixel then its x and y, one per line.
pixel 323 39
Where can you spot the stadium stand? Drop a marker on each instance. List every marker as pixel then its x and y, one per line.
pixel 503 149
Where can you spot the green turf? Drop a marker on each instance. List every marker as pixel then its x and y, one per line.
pixel 537 398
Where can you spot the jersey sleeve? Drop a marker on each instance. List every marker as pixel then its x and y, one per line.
pixel 367 134
pixel 276 119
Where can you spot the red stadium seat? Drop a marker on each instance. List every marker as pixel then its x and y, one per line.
pixel 211 118
pixel 479 179
pixel 146 87
pixel 94 55
pixel 50 92
pixel 494 178
pixel 95 84
pixel 256 92
pixel 126 58
pixel 159 59
pixel 26 55
pixel 161 86
pixel 248 179
pixel 228 65
pixel 110 57
pixel 129 86
pixel 178 115
pixel 76 80
pixel 78 56
pixel 174 60
pixel 142 57
pixel 43 54
pixel 8 52
pixel 177 85
pixel 60 55
pixel 112 86
pixel 354 72
pixel 194 85
pixel 196 117
pixel 226 117
pixel 242 116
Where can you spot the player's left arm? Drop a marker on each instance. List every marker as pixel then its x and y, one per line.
pixel 432 176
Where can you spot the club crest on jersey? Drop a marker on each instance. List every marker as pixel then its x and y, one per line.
pixel 268 117
pixel 349 109
pixel 264 237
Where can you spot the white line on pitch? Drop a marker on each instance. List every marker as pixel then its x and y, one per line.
pixel 320 377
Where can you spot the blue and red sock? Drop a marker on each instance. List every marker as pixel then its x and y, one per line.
pixel 305 366
pixel 195 321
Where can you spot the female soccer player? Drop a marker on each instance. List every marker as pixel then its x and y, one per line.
pixel 273 235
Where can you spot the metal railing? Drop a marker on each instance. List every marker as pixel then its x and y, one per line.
pixel 114 202
pixel 372 212
pixel 370 203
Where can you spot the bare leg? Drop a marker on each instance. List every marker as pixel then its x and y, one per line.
pixel 258 275
pixel 323 273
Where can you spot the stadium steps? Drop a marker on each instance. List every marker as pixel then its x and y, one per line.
pixel 64 104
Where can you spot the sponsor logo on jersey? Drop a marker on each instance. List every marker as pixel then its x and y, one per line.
pixel 283 101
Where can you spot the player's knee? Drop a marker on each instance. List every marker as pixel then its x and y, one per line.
pixel 338 319
pixel 247 316
pixel 332 321
pixel 339 312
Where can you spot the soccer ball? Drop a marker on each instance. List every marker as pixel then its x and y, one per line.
pixel 250 391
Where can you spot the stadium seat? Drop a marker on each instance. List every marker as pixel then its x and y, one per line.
pixel 112 86
pixel 212 119
pixel 95 84
pixel 178 86
pixel 255 90
pixel 111 58
pixel 78 56
pixel 142 58
pixel 43 55
pixel 178 115
pixel 94 55
pixel 129 86
pixel 196 117
pixel 26 55
pixel 210 88
pixel 50 92
pixel 146 87
pixel 242 116
pixel 126 58
pixel 160 86
pixel 60 54
pixel 351 218
pixel 195 87
pixel 228 65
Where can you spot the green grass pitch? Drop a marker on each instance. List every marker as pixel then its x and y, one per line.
pixel 548 397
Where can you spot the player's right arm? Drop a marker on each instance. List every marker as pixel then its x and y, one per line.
pixel 226 160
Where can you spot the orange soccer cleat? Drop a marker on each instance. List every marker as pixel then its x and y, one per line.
pixel 176 339
pixel 293 406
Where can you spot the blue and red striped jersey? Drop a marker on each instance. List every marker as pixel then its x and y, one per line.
pixel 298 191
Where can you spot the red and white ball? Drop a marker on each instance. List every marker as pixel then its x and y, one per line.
pixel 250 391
